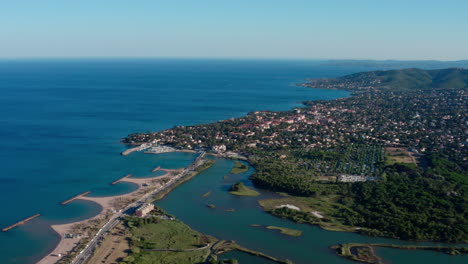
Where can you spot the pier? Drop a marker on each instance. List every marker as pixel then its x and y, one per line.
pixel 117 181
pixel 74 198
pixel 156 169
pixel 22 222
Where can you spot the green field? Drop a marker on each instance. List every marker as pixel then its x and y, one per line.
pixel 158 234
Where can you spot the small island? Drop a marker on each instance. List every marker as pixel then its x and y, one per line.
pixel 240 189
pixel 282 230
pixel 239 167
pixel 286 231
pixel 377 163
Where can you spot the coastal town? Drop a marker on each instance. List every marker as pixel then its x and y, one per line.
pixel 402 133
pixel 79 240
pixel 421 122
pixel 347 149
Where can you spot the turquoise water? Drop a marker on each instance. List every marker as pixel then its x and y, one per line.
pixel 243 257
pixel 396 256
pixel 187 203
pixel 61 122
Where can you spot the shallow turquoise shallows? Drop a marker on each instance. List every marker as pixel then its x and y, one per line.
pixel 61 122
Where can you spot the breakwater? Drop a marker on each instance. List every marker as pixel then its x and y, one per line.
pixel 117 181
pixel 75 197
pixel 138 148
pixel 22 222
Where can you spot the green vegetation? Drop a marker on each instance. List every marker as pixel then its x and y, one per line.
pixel 330 224
pixel 208 163
pixel 365 252
pixel 410 79
pixel 349 159
pixel 325 206
pixel 330 154
pixel 358 252
pixel 397 155
pixel 286 231
pixel 150 235
pixel 223 246
pixel 283 230
pixel 292 175
pixel 411 204
pixel 157 241
pixel 295 215
pixel 239 167
pixel 242 190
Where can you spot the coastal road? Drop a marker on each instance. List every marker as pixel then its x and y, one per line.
pixel 87 252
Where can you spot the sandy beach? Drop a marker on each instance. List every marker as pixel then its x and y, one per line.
pixel 109 204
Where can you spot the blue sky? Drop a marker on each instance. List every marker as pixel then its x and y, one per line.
pixel 332 29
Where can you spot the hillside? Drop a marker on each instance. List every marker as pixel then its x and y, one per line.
pixel 372 65
pixel 405 79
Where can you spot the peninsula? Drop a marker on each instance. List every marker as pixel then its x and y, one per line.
pixel 391 160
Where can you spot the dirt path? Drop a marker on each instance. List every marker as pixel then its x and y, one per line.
pixel 114 248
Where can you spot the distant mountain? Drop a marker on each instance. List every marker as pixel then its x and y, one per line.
pixel 396 64
pixel 416 78
pixel 404 79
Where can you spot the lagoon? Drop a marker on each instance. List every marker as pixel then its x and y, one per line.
pixel 313 246
pixel 61 122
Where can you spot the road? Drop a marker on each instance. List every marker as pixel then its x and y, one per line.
pixel 87 252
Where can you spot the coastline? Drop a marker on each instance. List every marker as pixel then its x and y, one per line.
pixel 365 253
pixel 215 154
pixel 245 135
pixel 336 226
pixel 107 203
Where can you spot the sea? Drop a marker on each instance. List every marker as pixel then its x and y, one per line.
pixel 61 122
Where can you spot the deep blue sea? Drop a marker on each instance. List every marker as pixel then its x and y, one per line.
pixel 61 122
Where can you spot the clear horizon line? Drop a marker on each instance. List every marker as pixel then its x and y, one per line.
pixel 216 58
